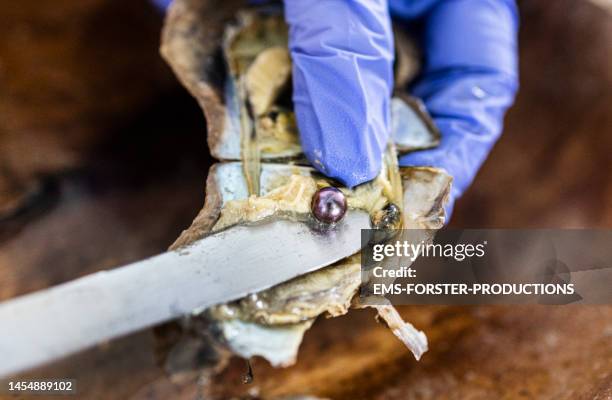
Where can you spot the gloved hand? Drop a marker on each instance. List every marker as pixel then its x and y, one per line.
pixel 342 56
pixel 470 78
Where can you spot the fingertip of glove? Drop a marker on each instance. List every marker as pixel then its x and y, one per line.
pixel 349 173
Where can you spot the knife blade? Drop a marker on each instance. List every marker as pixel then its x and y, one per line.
pixel 43 326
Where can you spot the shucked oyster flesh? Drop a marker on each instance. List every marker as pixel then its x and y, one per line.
pixel 266 77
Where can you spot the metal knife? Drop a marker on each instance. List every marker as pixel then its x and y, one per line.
pixel 46 325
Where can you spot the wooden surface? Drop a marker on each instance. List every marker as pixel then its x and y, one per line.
pixel 70 72
pixel 552 168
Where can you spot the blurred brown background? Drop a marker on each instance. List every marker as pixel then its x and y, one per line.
pixel 109 154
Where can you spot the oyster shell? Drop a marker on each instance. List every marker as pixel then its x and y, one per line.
pixel 411 126
pixel 241 90
pixel 277 344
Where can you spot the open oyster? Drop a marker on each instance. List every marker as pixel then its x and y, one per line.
pixel 271 323
pixel 245 91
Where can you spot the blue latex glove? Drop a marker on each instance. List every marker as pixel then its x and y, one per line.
pixel 342 54
pixel 469 79
pixel 162 4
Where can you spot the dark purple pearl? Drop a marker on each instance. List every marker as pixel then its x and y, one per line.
pixel 329 205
